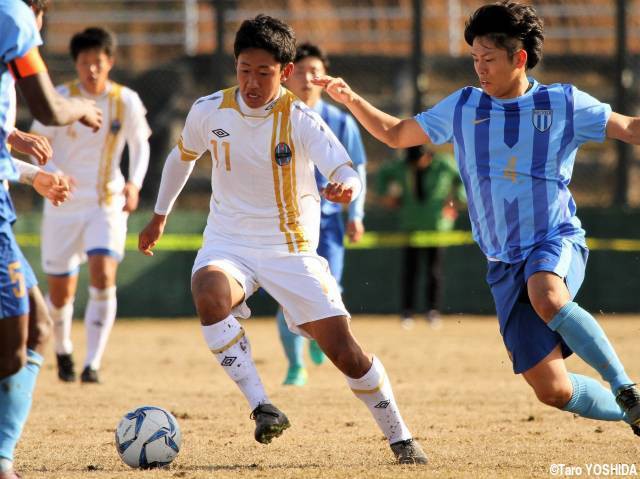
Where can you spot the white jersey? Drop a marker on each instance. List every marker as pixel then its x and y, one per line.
pixel 264 191
pixel 93 159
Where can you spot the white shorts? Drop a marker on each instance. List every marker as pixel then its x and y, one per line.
pixel 67 238
pixel 300 282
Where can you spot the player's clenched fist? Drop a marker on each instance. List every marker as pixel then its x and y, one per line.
pixel 151 233
pixel 55 187
pixel 338 192
pixel 93 115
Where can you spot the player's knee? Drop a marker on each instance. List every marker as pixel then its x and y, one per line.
pixel 557 397
pixel 12 361
pixel 212 307
pixel 546 304
pixel 59 301
pixel 101 280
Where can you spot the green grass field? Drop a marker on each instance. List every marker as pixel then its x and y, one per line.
pixel 454 386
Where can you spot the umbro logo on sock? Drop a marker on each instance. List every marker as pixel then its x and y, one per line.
pixel 383 404
pixel 229 360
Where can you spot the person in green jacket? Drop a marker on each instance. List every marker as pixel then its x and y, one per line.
pixel 427 190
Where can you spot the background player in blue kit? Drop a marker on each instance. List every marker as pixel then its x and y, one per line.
pixel 515 142
pixel 310 62
pixel 20 364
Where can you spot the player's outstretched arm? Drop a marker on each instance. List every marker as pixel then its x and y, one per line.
pixel 51 108
pixel 390 130
pixel 624 128
pixel 33 145
pixel 174 176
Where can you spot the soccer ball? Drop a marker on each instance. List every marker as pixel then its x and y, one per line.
pixel 148 437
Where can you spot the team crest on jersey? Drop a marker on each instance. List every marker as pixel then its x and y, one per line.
pixel 542 119
pixel 115 126
pixel 283 154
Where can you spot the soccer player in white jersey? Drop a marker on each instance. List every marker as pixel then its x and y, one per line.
pixel 264 224
pixel 95 219
pixel 515 142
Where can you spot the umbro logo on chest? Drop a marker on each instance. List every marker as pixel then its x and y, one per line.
pixel 219 132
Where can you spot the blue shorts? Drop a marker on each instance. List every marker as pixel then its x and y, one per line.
pixel 16 276
pixel 331 243
pixel 526 336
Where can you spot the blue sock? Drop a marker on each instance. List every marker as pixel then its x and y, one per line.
pixel 15 403
pixel 585 337
pixel 292 343
pixel 590 399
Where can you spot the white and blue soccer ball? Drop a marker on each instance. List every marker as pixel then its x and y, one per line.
pixel 148 437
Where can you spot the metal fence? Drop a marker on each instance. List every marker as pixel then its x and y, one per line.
pixel 371 26
pixel 166 52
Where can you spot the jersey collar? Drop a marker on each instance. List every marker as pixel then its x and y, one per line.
pixel 529 93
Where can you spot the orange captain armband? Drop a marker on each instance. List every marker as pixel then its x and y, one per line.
pixel 27 65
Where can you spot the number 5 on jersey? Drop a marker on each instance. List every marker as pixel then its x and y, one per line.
pixel 17 278
pixel 227 155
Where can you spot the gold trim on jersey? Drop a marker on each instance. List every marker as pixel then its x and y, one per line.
pixel 276 182
pixel 74 87
pixel 185 153
pixel 74 90
pixel 116 113
pixel 370 391
pixel 238 337
pixel 229 99
pixel 284 177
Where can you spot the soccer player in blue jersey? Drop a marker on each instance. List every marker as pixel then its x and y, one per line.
pixel 515 142
pixel 19 360
pixel 311 61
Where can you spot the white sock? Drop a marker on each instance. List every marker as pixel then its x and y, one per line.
pixel 98 321
pixel 230 346
pixel 62 318
pixel 374 389
pixel 6 465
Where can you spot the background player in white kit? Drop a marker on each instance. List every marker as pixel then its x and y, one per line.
pixel 264 224
pixel 94 221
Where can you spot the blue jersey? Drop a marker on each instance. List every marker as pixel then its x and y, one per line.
pixel 18 34
pixel 346 129
pixel 516 158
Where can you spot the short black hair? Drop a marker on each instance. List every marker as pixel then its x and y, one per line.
pixel 93 38
pixel 37 5
pixel 308 49
pixel 510 26
pixel 266 33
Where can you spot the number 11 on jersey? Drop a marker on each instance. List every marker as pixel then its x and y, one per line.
pixel 227 155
